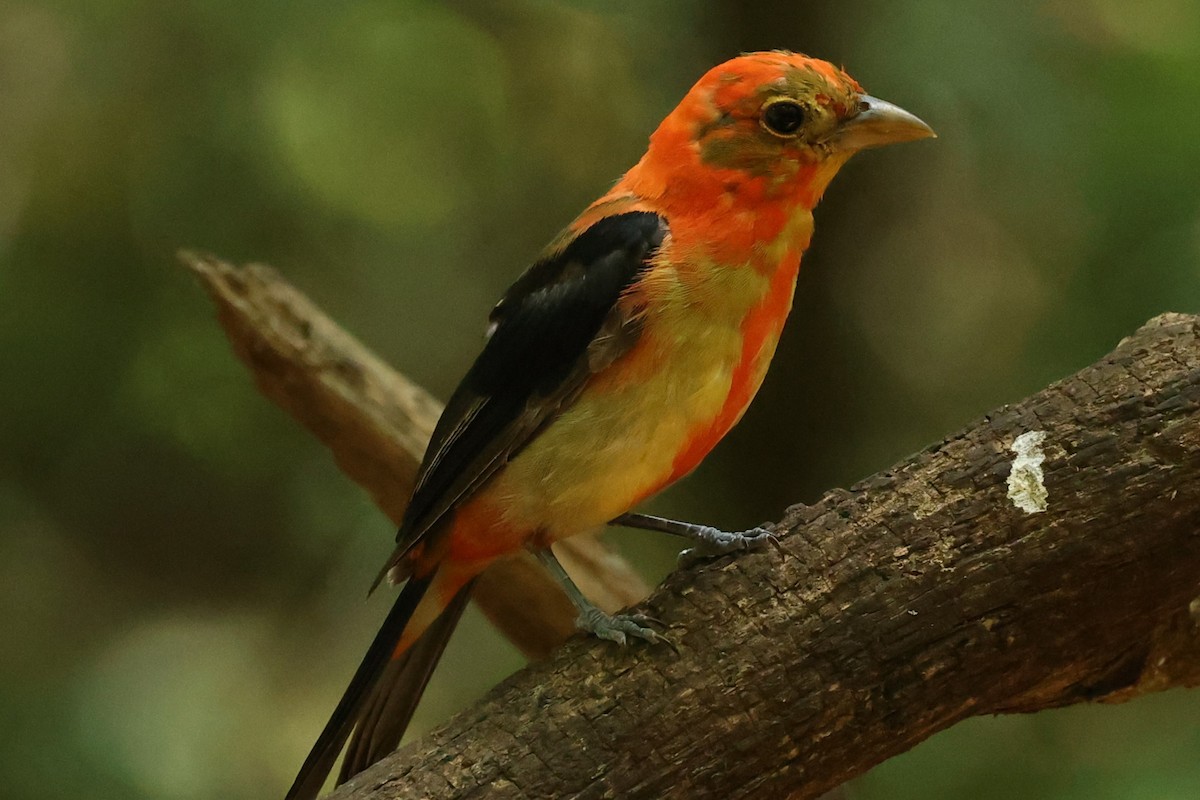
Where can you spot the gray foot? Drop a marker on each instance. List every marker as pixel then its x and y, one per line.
pixel 713 542
pixel 619 627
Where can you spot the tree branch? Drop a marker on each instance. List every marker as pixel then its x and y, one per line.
pixel 377 424
pixel 918 598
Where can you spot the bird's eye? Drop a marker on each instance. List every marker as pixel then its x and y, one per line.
pixel 783 117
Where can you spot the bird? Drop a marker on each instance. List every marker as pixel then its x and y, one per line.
pixel 613 365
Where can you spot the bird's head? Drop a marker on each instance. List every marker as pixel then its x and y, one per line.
pixel 780 123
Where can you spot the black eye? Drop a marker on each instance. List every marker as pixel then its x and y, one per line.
pixel 783 117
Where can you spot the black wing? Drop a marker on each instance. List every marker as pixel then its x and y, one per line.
pixel 558 324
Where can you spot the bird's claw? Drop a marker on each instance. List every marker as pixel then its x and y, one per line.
pixel 713 542
pixel 619 627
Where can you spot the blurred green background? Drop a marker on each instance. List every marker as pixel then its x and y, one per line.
pixel 182 569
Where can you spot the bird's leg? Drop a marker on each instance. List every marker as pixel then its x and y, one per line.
pixel 613 627
pixel 710 541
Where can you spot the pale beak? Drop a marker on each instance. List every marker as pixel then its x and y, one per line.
pixel 877 123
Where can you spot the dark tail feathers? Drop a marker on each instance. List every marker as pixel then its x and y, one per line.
pixel 396 694
pixel 380 700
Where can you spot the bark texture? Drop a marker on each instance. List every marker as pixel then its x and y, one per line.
pixel 377 423
pixel 894 609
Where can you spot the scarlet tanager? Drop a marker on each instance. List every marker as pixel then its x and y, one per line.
pixel 614 364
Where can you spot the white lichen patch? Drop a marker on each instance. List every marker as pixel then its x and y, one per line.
pixel 1026 487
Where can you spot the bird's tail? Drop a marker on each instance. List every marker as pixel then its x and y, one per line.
pixel 390 707
pixel 379 702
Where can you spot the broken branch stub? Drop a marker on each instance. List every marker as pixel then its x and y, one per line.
pixel 377 423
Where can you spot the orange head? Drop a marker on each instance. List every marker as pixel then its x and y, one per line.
pixel 771 126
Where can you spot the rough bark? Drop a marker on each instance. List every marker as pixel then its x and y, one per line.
pixel 894 609
pixel 376 423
